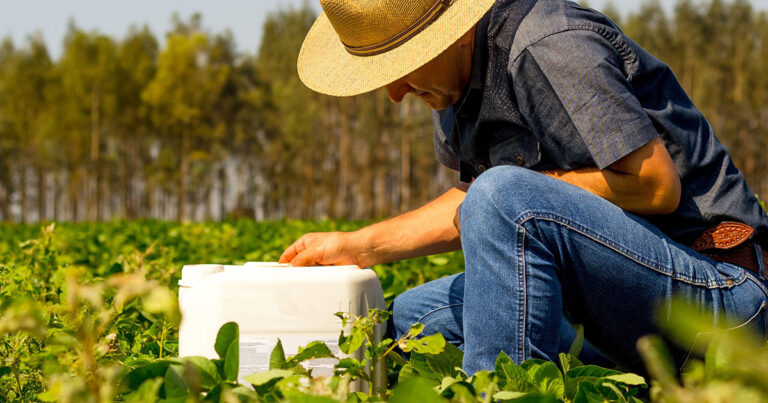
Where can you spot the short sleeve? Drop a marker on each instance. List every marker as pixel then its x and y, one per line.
pixel 575 96
pixel 443 124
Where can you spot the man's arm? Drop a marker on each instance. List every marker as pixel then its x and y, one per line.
pixel 645 182
pixel 425 231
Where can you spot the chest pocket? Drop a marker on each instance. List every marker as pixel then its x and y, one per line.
pixel 521 149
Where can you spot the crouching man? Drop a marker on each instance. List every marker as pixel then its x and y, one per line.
pixel 591 188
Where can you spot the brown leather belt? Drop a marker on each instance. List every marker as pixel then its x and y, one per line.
pixel 731 242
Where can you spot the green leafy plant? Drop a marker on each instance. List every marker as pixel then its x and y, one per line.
pixel 88 313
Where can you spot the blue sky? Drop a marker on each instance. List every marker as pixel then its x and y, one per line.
pixel 19 18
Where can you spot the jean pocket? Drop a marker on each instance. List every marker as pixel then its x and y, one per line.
pixel 710 275
pixel 757 323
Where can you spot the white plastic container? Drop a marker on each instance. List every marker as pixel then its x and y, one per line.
pixel 270 301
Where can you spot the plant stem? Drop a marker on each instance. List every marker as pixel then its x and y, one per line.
pixel 162 340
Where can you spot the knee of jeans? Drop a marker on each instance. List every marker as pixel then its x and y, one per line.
pixel 508 185
pixel 403 313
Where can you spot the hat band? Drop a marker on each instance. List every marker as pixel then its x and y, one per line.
pixel 397 40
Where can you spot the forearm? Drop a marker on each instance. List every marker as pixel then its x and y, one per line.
pixel 644 182
pixel 632 193
pixel 425 231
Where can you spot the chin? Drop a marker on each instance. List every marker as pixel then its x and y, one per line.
pixel 435 103
pixel 435 106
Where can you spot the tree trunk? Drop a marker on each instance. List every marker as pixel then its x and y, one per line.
pixel 181 192
pixel 41 192
pixel 23 192
pixel 95 203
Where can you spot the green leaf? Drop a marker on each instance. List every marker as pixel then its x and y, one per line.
pixel 397 358
pixel 350 344
pixel 299 397
pixel 545 376
pixel 206 370
pixel 352 367
pixel 568 361
pixel 420 364
pixel 277 358
pixel 611 388
pixel 232 361
pixel 588 393
pixel 5 371
pixel 590 371
pixel 511 376
pixel 446 363
pixel 415 330
pixel 139 375
pixel 147 392
pixel 578 342
pixel 228 333
pixel 530 397
pixel 407 371
pixel 415 390
pixel 484 382
pixel 312 351
pixel 244 394
pixel 262 378
pixel 446 383
pixel 586 373
pixel 433 344
pixel 175 386
pixel 214 395
pixel 628 379
pixel 508 395
pixel 47 396
pixel 460 391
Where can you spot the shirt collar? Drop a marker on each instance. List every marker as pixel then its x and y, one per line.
pixel 480 54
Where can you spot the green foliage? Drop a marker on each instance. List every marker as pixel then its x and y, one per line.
pixel 87 314
pixel 728 363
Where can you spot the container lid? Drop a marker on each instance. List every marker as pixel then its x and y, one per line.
pixel 266 264
pixel 274 265
pixel 192 274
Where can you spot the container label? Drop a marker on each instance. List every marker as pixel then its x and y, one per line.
pixel 255 353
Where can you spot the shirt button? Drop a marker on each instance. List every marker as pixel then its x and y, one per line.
pixel 729 282
pixel 519 160
pixel 481 168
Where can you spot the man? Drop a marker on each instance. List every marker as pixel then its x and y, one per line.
pixel 592 189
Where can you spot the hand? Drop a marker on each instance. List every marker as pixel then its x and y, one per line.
pixel 324 249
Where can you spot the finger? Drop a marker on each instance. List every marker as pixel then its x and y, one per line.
pixel 305 258
pixel 293 250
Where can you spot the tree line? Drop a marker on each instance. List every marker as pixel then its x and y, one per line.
pixel 122 128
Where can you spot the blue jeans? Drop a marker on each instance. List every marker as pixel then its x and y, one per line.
pixel 540 253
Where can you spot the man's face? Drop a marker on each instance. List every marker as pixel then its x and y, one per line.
pixel 441 82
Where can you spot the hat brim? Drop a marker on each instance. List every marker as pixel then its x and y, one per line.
pixel 325 66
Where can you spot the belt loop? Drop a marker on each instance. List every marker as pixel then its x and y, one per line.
pixel 760 263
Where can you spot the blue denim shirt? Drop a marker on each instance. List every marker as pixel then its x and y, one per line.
pixel 558 86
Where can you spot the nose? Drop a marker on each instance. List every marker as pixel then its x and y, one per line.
pixel 397 90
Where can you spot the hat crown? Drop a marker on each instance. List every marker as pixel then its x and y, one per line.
pixel 361 23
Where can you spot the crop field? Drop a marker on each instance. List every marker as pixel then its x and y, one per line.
pixel 88 313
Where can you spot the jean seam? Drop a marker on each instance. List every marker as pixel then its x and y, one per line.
pixel 524 294
pixel 440 308
pixel 655 266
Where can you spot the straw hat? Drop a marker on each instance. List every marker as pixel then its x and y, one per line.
pixel 356 46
